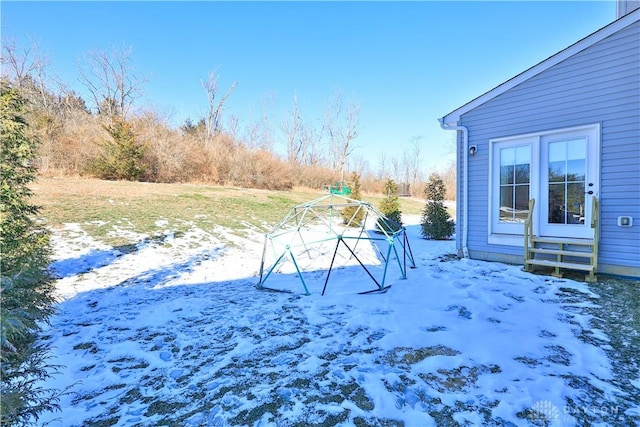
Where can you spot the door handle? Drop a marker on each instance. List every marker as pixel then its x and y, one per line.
pixel 589 192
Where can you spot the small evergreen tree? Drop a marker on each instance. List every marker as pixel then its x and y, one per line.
pixel 436 222
pixel 26 288
pixel 352 214
pixel 122 158
pixel 390 207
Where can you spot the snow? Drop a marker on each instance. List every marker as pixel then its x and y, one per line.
pixel 174 331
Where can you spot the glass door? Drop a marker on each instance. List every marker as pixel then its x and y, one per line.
pixel 568 182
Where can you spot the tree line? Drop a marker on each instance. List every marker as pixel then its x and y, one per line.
pixel 110 134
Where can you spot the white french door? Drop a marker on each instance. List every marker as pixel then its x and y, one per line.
pixel 558 168
pixel 568 180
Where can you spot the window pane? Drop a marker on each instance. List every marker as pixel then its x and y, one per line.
pixel 506 174
pixel 522 163
pixel 507 156
pixel 521 203
pixel 575 203
pixel 576 170
pixel 522 173
pixel 523 155
pixel 557 171
pixel 557 204
pixel 506 204
pixel 577 149
pixel 507 159
pixel 557 151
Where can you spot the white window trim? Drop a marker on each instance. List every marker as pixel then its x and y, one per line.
pixel 514 237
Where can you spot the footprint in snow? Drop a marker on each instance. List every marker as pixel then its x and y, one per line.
pixel 462 311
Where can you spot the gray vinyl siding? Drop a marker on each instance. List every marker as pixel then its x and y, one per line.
pixel 600 84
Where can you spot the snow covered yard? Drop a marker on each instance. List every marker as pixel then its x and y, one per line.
pixel 172 331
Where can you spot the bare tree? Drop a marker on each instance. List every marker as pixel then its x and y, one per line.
pixel 301 138
pixel 342 127
pixel 260 133
pixel 310 139
pixel 406 166
pixel 452 145
pixel 449 179
pixel 26 68
pixel 383 172
pixel 293 132
pixel 253 134
pixel 214 116
pixel 361 166
pixel 396 168
pixel 268 130
pixel 111 81
pixel 19 65
pixel 416 162
pixel 233 126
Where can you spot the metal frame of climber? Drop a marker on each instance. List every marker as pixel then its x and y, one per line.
pixel 313 227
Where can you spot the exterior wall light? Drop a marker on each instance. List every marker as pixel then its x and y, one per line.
pixel 473 150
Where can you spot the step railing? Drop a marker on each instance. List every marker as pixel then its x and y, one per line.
pixel 595 220
pixel 528 234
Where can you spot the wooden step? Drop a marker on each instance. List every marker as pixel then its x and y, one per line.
pixel 568 265
pixel 562 241
pixel 577 254
pixel 555 249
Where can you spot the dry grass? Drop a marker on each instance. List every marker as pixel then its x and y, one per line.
pixel 102 205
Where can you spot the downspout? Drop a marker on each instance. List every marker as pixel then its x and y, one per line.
pixel 465 183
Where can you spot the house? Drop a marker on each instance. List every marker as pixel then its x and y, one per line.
pixel 557 148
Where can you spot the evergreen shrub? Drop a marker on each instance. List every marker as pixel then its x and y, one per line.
pixel 26 287
pixel 121 158
pixel 436 222
pixel 390 207
pixel 353 213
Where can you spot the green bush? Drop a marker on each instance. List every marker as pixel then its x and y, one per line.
pixel 436 222
pixel 353 215
pixel 122 158
pixel 390 207
pixel 26 287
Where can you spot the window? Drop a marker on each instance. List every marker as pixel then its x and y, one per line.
pixel 511 180
pixel 515 177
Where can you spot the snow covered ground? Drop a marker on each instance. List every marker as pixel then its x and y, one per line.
pixel 173 331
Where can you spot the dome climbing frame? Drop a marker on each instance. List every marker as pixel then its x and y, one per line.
pixel 335 231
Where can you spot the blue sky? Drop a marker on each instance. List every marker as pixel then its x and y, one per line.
pixel 406 63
